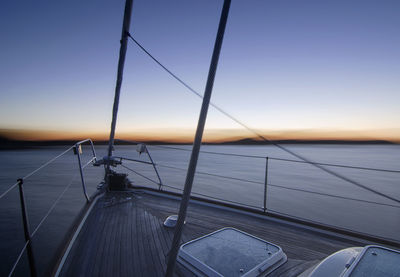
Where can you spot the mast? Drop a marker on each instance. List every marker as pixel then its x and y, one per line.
pixel 197 140
pixel 121 63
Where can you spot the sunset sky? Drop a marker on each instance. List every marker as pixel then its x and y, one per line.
pixel 291 69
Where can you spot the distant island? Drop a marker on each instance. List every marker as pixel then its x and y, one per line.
pixel 250 141
pixel 6 143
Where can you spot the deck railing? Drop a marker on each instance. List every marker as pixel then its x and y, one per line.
pixel 265 183
pixel 77 150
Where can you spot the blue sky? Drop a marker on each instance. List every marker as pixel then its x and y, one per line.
pixel 286 67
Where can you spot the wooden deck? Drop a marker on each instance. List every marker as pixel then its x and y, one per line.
pixel 124 236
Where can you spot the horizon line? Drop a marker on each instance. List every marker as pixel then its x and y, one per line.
pixel 214 136
pixel 245 141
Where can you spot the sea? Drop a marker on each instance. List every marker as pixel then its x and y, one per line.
pixel 231 173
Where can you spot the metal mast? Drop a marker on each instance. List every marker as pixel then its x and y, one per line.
pixel 197 140
pixel 121 63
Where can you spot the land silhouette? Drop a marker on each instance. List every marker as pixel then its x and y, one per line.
pixel 7 143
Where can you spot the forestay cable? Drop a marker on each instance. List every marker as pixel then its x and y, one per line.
pixel 329 171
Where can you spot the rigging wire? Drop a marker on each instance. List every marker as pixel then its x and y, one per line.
pixel 53 206
pixel 255 182
pixel 36 170
pixel 18 258
pixel 46 164
pixel 283 187
pixel 141 175
pixel 279 159
pixel 262 157
pixel 263 138
pixel 8 190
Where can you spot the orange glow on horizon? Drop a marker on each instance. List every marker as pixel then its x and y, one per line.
pixel 210 135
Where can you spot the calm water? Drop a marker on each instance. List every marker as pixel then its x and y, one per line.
pixel 43 188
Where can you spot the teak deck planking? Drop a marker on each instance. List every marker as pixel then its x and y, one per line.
pixel 124 236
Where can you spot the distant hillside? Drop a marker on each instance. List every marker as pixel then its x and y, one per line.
pixel 249 141
pixel 6 143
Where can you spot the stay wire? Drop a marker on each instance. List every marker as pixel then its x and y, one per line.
pixel 329 171
pixel 18 258
pixel 141 175
pixel 280 159
pixel 53 205
pixel 282 187
pixel 33 172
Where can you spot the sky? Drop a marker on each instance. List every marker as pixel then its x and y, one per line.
pixel 289 69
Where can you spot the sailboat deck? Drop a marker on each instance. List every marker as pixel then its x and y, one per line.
pixel 124 236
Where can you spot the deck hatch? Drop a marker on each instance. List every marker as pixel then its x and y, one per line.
pixel 230 252
pixel 376 261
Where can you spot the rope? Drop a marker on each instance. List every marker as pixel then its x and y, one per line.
pixel 284 187
pixel 46 164
pixel 214 175
pixel 7 191
pixel 166 69
pixel 141 175
pixel 333 173
pixel 89 162
pixel 339 165
pixel 19 258
pixel 210 152
pixel 36 170
pixel 215 198
pixel 41 167
pixel 280 159
pixel 53 206
pixel 335 196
